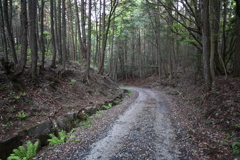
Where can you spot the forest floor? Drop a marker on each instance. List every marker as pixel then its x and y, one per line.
pixel 211 119
pixel 25 103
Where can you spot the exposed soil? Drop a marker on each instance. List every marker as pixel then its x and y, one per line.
pixel 210 120
pixel 50 97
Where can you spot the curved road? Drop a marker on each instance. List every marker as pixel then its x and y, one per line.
pixel 144 131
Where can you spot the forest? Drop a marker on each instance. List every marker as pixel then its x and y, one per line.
pixel 57 55
pixel 124 39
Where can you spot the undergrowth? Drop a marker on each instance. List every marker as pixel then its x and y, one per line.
pixel 62 136
pixel 107 106
pixel 23 153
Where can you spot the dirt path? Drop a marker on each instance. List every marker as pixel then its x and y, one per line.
pixel 139 128
pixel 144 131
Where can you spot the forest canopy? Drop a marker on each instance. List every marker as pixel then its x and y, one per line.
pixel 122 38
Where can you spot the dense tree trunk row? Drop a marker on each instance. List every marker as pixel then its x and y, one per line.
pixel 124 39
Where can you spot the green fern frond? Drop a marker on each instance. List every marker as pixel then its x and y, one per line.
pixel 63 136
pixel 31 149
pixel 23 153
pixel 20 152
pixel 52 135
pixel 13 157
pixel 55 140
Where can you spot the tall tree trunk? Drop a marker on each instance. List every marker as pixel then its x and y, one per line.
pixel 170 41
pixel 4 39
pixel 60 32
pixel 9 31
pixel 89 37
pixel 206 44
pixel 42 34
pixel 32 10
pixel 95 61
pixel 72 32
pixel 237 45
pixel 64 50
pixel 24 33
pixel 102 52
pixel 112 64
pixel 83 22
pixel 133 56
pixel 53 63
pixel 78 27
pixel 105 30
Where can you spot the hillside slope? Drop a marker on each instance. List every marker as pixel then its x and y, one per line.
pixel 51 97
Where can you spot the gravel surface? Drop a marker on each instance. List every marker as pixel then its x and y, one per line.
pixel 140 128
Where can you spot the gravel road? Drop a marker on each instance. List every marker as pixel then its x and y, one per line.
pixel 144 131
pixel 138 129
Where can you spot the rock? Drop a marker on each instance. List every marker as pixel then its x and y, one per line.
pixel 41 131
pixel 44 139
pixel 43 128
pixel 92 110
pixel 22 132
pixel 71 116
pixel 7 146
pixel 64 123
pixel 82 114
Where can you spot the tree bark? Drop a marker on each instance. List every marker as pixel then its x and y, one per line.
pixel 237 45
pixel 4 39
pixel 64 51
pixel 206 44
pixel 105 30
pixel 32 10
pixel 24 44
pixel 78 28
pixel 83 23
pixel 9 31
pixel 42 34
pixel 89 37
pixel 72 41
pixel 60 32
pixel 53 63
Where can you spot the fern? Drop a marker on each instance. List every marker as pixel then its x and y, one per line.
pixel 107 107
pixel 23 153
pixel 55 140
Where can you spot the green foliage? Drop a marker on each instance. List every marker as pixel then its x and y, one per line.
pixel 55 140
pixel 72 138
pixel 23 153
pixel 128 91
pixel 85 124
pixel 21 115
pixel 17 97
pixel 13 110
pixel 116 101
pixel 99 114
pixel 23 94
pixel 71 84
pixel 28 100
pixel 236 149
pixel 108 106
pixel 77 140
pixel 208 122
pixel 235 126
